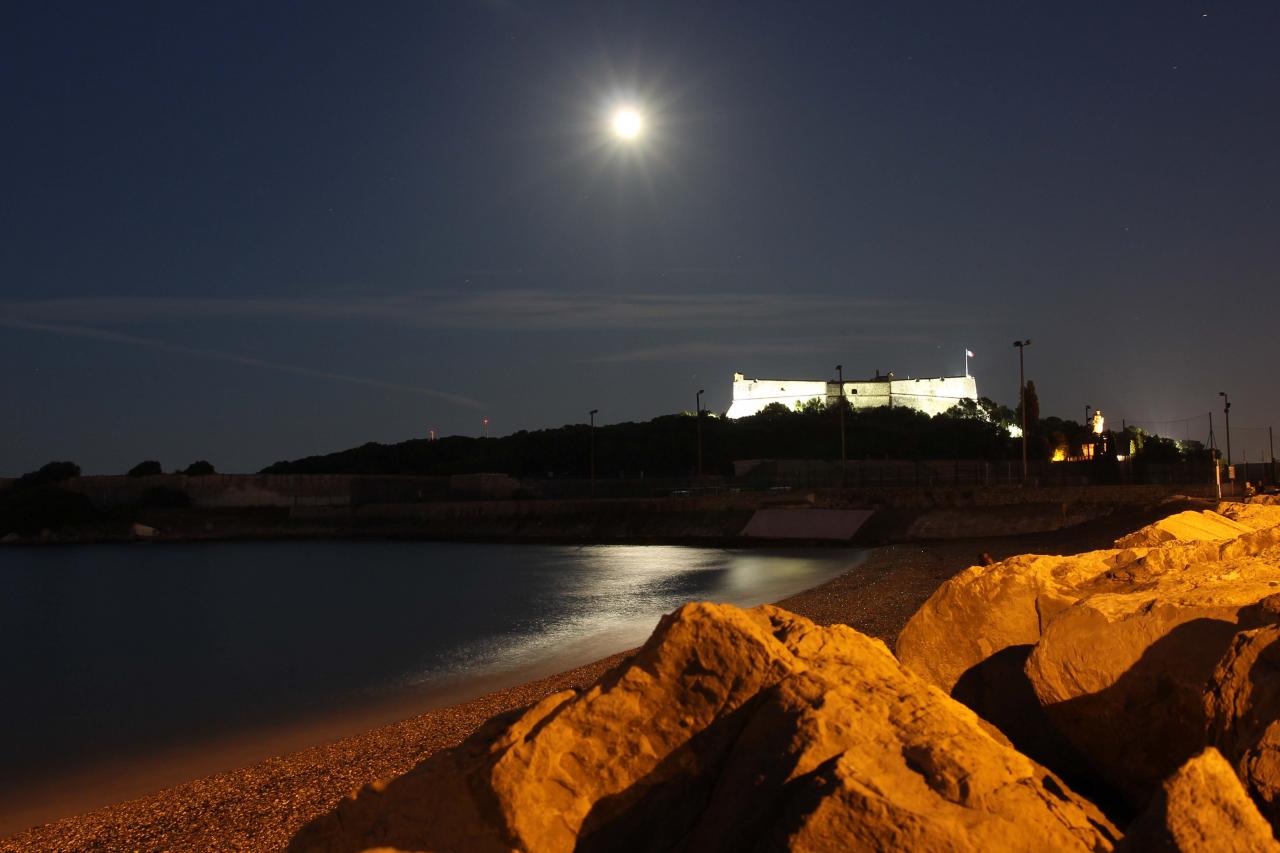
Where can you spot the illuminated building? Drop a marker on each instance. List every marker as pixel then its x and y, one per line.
pixel 931 396
pixel 1095 442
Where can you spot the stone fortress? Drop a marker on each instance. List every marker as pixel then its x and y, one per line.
pixel 931 396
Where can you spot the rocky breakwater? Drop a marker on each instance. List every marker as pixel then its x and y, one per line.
pixel 1118 667
pixel 730 730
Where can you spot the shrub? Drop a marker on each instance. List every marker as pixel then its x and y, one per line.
pixel 199 468
pixel 150 468
pixel 54 472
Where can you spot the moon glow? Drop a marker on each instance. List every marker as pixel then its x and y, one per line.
pixel 627 124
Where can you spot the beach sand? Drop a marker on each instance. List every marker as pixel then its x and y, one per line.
pixel 260 807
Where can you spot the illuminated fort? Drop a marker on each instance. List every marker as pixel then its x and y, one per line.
pixel 931 396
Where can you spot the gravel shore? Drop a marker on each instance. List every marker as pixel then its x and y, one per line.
pixel 260 807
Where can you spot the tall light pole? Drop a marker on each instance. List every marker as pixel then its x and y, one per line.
pixel 840 403
pixel 698 415
pixel 592 443
pixel 1022 401
pixel 1214 456
pixel 1226 410
pixel 1088 426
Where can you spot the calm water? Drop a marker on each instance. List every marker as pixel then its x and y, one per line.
pixel 118 651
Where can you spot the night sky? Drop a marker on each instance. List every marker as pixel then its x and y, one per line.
pixel 255 231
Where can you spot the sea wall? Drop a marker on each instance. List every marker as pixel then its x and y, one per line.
pixel 291 506
pixel 340 490
pixel 266 490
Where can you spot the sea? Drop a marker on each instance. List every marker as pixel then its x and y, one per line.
pixel 127 667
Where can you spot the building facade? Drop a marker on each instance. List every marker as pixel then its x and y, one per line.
pixel 931 396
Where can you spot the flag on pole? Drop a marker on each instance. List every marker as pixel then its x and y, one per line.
pixel 969 354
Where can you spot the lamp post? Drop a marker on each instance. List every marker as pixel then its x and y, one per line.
pixel 698 415
pixel 591 440
pixel 1226 411
pixel 1022 401
pixel 840 403
pixel 1088 427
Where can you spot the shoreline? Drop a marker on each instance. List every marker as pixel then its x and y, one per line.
pixel 260 806
pixel 111 781
pixel 48 780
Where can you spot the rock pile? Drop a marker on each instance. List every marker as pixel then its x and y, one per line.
pixel 1201 807
pixel 1146 675
pixel 730 730
pixel 1116 667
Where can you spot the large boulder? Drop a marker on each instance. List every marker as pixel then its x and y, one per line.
pixel 1259 512
pixel 984 610
pixel 1243 709
pixel 729 730
pixel 1189 526
pixel 1122 675
pixel 1201 809
pixel 1116 634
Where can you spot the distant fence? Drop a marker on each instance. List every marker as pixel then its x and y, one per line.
pixel 779 476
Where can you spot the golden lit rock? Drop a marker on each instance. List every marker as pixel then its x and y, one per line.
pixel 730 729
pixel 1243 710
pixel 1201 809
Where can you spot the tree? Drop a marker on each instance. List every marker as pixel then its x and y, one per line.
pixel 966 409
pixel 53 472
pixel 1150 447
pixel 774 409
pixel 982 409
pixel 995 412
pixel 199 468
pixel 1194 451
pixel 149 468
pixel 1032 402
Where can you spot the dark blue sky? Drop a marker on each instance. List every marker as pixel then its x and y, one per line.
pixel 253 231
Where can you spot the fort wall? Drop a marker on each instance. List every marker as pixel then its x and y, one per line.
pixel 932 396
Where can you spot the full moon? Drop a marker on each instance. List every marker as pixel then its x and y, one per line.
pixel 627 124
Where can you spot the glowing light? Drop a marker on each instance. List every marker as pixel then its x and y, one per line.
pixel 627 124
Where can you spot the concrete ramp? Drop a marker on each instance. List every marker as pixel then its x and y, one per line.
pixel 806 523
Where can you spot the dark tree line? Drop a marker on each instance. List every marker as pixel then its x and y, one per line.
pixel 667 445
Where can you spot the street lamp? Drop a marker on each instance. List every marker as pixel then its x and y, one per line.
pixel 698 415
pixel 1226 410
pixel 592 443
pixel 1088 426
pixel 840 403
pixel 1022 400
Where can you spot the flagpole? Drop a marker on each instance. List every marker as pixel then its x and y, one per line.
pixel 966 363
